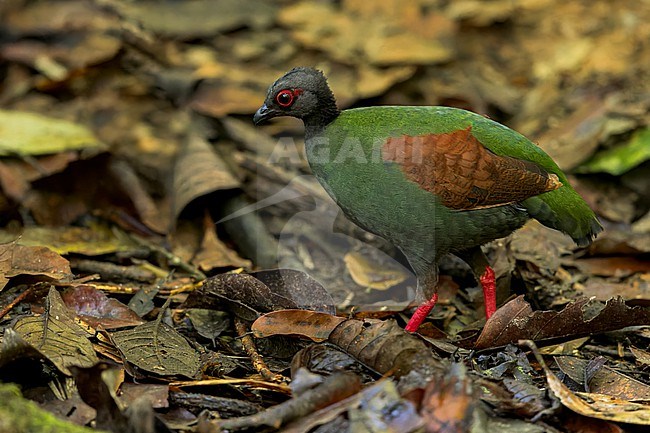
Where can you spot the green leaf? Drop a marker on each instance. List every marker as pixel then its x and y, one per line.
pixel 620 159
pixel 23 133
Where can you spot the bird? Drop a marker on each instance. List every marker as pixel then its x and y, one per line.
pixel 431 180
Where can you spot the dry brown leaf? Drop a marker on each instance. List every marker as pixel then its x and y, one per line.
pixel 95 308
pixel 517 321
pixel 31 260
pixel 381 345
pixel 199 171
pixel 376 39
pixel 593 405
pixel 215 254
pixel 313 325
pixel 57 336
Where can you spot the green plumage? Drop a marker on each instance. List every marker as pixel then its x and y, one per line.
pixel 562 209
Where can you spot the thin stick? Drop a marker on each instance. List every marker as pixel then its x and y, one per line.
pixel 15 302
pixel 257 360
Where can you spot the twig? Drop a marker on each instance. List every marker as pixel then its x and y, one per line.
pixel 173 259
pixel 335 388
pixel 257 360
pixel 15 302
pixel 110 271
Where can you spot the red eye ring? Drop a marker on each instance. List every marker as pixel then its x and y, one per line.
pixel 284 98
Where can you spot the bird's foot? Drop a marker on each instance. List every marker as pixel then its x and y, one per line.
pixel 421 313
pixel 489 284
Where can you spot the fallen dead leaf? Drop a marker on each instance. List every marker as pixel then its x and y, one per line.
pixel 95 308
pixel 31 260
pixel 313 325
pixel 56 335
pixel 517 321
pixel 381 345
pixel 34 134
pixel 593 405
pixel 199 171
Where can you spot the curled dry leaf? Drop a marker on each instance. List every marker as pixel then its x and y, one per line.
pixel 31 260
pixel 590 404
pixel 95 308
pixel 245 295
pixel 313 325
pixel 381 345
pixel 199 171
pixel 516 321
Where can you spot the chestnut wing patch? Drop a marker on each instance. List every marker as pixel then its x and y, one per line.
pixel 465 174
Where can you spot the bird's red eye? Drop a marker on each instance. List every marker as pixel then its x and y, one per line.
pixel 284 98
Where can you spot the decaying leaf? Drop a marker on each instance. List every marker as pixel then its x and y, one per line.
pixel 34 134
pixel 382 345
pixel 269 290
pixel 57 336
pixel 92 241
pixel 158 348
pixel 604 380
pixel 594 405
pixel 95 308
pixel 517 321
pixel 31 260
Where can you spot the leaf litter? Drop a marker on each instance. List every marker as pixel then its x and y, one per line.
pixel 115 185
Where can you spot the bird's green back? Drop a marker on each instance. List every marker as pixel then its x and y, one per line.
pixel 562 209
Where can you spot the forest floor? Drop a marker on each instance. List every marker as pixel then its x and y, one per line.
pixel 165 265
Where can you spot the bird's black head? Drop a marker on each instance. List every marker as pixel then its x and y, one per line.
pixel 302 93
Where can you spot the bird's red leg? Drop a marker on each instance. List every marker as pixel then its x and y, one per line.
pixel 421 313
pixel 489 284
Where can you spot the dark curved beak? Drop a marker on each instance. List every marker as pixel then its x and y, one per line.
pixel 263 114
